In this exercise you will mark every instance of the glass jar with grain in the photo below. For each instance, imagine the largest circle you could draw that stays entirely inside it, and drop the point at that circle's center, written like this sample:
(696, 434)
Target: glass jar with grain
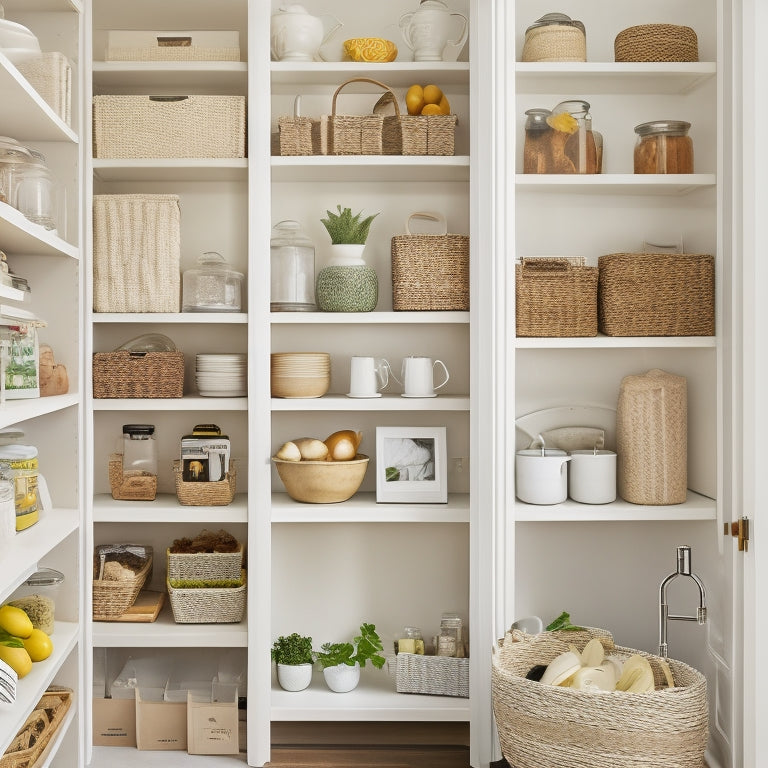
(663, 146)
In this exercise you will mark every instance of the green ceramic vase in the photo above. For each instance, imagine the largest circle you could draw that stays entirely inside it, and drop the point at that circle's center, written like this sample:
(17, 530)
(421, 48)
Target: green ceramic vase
(347, 289)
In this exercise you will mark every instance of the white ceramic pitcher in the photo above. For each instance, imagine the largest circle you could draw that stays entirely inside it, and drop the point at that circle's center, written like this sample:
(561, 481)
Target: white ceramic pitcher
(418, 376)
(296, 35)
(427, 31)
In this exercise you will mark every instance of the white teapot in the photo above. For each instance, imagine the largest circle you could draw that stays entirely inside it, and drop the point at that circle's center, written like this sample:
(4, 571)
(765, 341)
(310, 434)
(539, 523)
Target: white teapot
(296, 35)
(426, 31)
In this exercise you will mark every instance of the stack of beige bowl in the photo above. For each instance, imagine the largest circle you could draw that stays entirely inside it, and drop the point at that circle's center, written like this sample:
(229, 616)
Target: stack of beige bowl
(300, 374)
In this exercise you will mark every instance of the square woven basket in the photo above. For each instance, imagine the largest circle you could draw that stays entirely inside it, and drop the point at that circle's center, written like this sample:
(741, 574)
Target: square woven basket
(436, 675)
(205, 566)
(126, 374)
(428, 134)
(203, 605)
(217, 493)
(111, 598)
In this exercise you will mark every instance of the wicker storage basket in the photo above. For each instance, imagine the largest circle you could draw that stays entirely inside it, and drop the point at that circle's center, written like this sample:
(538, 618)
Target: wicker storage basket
(145, 45)
(543, 725)
(428, 134)
(651, 438)
(112, 598)
(218, 493)
(136, 253)
(216, 605)
(50, 74)
(138, 374)
(555, 42)
(168, 126)
(438, 675)
(430, 272)
(656, 42)
(555, 297)
(656, 294)
(206, 566)
(135, 487)
(295, 136)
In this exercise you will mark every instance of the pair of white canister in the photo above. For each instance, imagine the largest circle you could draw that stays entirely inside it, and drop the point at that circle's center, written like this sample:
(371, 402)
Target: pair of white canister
(543, 476)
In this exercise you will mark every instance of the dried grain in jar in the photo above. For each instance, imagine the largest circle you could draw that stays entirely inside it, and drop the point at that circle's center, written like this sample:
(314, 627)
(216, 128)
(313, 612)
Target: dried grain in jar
(663, 146)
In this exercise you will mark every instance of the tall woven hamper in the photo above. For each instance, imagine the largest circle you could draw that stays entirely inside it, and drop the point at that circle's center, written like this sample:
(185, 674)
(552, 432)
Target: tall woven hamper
(652, 438)
(136, 253)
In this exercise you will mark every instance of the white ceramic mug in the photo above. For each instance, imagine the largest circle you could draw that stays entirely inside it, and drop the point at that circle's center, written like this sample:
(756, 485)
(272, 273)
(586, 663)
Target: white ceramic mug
(367, 375)
(419, 376)
(541, 477)
(592, 477)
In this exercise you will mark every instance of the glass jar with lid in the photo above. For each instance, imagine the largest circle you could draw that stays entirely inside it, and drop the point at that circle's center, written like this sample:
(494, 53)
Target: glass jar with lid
(292, 269)
(20, 462)
(663, 146)
(13, 158)
(139, 450)
(36, 191)
(555, 37)
(411, 641)
(212, 286)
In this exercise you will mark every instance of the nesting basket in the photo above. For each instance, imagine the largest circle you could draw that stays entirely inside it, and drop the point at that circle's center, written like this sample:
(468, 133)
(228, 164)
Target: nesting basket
(555, 297)
(205, 566)
(217, 493)
(134, 487)
(204, 605)
(656, 42)
(436, 675)
(428, 134)
(657, 294)
(127, 374)
(112, 598)
(542, 724)
(555, 42)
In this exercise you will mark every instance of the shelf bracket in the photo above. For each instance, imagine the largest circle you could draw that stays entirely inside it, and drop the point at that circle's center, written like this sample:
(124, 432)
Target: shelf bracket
(739, 529)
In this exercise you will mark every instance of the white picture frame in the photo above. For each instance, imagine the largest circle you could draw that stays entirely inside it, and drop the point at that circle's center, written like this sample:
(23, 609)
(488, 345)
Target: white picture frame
(411, 465)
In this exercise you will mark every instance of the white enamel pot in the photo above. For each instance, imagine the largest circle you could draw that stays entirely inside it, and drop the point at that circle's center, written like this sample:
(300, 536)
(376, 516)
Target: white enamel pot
(541, 477)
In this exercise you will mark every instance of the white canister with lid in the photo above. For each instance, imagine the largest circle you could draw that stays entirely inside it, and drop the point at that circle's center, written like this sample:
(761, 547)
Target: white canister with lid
(541, 476)
(592, 477)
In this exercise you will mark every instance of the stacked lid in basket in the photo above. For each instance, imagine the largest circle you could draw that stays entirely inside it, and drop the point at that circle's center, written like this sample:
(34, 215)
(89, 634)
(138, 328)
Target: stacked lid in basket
(222, 375)
(300, 374)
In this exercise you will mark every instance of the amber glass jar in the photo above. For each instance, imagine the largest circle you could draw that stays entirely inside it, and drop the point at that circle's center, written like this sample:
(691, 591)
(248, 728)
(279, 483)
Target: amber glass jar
(663, 146)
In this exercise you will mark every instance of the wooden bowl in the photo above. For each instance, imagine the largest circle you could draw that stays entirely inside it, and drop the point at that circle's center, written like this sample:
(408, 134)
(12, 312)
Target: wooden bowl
(299, 386)
(322, 482)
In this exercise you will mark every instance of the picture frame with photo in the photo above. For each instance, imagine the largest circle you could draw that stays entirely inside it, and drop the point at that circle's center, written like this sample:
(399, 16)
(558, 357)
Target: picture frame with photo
(411, 465)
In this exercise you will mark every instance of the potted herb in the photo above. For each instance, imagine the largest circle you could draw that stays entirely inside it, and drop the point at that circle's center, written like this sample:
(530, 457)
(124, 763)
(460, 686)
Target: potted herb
(294, 658)
(341, 662)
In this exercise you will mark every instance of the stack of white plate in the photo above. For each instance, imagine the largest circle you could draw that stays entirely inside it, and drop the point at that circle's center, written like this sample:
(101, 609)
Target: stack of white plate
(300, 374)
(222, 375)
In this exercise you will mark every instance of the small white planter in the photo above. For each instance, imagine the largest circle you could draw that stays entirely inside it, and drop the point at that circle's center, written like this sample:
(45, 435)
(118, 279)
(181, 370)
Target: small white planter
(342, 678)
(294, 677)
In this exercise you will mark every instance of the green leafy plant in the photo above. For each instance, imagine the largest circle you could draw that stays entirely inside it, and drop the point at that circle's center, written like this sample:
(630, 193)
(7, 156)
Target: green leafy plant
(294, 649)
(365, 647)
(346, 229)
(563, 624)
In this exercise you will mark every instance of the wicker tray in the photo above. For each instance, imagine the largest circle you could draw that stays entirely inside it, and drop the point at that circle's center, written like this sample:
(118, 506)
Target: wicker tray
(225, 605)
(205, 566)
(135, 487)
(111, 599)
(213, 494)
(138, 374)
(656, 42)
(437, 675)
(555, 298)
(555, 42)
(656, 294)
(547, 725)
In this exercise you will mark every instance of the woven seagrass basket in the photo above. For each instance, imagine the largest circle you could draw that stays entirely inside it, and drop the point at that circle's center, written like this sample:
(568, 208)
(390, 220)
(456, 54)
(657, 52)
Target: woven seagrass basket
(50, 74)
(428, 134)
(204, 605)
(217, 493)
(205, 566)
(555, 42)
(555, 297)
(656, 294)
(138, 374)
(437, 675)
(656, 42)
(543, 724)
(112, 598)
(134, 487)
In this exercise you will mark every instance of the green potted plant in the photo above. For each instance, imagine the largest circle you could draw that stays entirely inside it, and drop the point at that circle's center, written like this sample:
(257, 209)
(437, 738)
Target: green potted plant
(341, 662)
(294, 658)
(347, 284)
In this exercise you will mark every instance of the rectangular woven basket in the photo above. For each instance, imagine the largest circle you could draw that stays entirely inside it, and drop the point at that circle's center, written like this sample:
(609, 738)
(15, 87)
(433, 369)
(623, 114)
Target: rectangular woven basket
(136, 253)
(436, 675)
(138, 374)
(205, 565)
(128, 127)
(187, 45)
(555, 298)
(203, 605)
(217, 493)
(111, 598)
(656, 294)
(428, 134)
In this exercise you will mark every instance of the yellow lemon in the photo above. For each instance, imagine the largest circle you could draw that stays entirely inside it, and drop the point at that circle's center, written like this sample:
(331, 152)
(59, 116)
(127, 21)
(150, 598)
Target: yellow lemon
(432, 109)
(38, 645)
(432, 94)
(17, 659)
(414, 100)
(445, 106)
(15, 622)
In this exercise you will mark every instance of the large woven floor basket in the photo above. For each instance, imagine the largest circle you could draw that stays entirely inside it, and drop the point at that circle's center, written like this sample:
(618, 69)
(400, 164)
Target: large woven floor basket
(543, 725)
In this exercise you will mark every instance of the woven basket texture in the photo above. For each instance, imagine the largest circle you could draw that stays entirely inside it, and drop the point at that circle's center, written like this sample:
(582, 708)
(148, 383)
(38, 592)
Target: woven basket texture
(428, 134)
(205, 565)
(545, 725)
(50, 74)
(136, 253)
(651, 438)
(218, 493)
(138, 374)
(134, 487)
(555, 43)
(152, 127)
(172, 53)
(112, 598)
(225, 605)
(430, 272)
(656, 42)
(29, 746)
(438, 675)
(295, 136)
(656, 294)
(555, 298)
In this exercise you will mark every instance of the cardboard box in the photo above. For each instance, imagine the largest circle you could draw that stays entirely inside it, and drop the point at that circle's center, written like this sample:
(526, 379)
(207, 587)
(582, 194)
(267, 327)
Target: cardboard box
(160, 724)
(213, 722)
(114, 722)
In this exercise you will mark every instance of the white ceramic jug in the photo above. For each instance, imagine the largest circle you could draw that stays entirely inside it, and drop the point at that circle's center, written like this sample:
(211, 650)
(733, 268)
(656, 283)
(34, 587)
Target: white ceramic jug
(296, 35)
(427, 30)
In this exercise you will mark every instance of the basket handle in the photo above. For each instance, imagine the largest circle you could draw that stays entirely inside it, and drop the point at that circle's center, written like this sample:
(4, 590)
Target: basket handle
(545, 266)
(430, 216)
(363, 80)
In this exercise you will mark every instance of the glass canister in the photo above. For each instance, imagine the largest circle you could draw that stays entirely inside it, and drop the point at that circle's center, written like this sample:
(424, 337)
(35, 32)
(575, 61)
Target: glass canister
(292, 269)
(213, 286)
(13, 157)
(663, 146)
(36, 191)
(7, 505)
(21, 462)
(411, 641)
(38, 597)
(139, 449)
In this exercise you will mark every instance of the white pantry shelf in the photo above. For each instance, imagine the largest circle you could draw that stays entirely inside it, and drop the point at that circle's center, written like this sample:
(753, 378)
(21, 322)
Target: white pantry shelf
(186, 403)
(617, 342)
(384, 403)
(166, 509)
(15, 411)
(181, 318)
(56, 6)
(127, 757)
(615, 183)
(171, 170)
(369, 318)
(224, 78)
(20, 236)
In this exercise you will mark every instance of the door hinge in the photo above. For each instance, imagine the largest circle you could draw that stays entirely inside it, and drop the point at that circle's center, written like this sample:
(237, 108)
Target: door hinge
(740, 530)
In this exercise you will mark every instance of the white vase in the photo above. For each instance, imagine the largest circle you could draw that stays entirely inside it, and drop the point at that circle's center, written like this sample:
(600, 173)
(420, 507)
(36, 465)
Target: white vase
(342, 678)
(346, 255)
(294, 677)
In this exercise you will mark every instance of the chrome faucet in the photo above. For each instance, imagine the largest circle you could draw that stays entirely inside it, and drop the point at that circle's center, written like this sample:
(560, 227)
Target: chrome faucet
(683, 569)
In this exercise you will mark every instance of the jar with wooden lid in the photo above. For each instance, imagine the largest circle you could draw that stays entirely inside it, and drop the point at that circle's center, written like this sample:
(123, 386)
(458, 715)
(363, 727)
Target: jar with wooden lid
(663, 146)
